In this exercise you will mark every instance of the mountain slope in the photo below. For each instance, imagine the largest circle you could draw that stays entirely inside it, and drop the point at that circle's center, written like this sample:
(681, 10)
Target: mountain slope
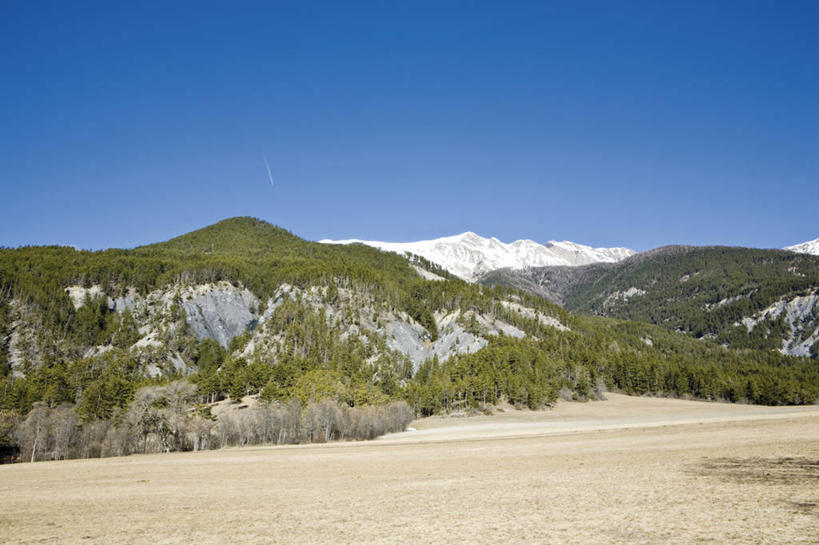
(468, 255)
(742, 297)
(283, 298)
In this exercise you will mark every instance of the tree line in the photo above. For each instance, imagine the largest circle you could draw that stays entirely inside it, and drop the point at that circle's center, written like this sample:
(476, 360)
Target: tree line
(161, 419)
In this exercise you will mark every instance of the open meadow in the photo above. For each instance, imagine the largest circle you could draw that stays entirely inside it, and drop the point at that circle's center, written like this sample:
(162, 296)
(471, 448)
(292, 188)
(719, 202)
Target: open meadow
(625, 470)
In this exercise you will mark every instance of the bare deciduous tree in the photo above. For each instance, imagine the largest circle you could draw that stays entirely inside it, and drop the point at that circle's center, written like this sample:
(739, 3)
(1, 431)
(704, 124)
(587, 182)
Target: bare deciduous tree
(160, 419)
(33, 433)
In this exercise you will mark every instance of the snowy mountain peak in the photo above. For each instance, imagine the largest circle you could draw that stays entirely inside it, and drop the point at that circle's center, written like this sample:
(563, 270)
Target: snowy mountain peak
(809, 247)
(470, 255)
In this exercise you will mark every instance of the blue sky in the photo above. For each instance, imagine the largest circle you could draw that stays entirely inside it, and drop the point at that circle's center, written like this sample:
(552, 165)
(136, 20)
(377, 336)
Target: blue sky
(632, 124)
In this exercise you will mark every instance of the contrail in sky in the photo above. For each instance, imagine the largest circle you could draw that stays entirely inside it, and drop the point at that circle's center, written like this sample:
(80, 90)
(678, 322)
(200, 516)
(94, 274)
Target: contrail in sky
(269, 175)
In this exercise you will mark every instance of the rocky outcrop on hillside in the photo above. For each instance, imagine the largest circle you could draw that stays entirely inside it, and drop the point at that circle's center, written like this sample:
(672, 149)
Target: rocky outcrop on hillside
(801, 316)
(222, 311)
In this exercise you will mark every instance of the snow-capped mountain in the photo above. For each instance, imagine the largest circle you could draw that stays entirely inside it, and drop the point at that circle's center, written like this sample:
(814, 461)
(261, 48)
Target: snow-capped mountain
(809, 247)
(469, 255)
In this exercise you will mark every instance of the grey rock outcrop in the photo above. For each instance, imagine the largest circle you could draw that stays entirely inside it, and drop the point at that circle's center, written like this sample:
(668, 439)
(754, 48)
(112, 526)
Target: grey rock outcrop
(801, 317)
(220, 312)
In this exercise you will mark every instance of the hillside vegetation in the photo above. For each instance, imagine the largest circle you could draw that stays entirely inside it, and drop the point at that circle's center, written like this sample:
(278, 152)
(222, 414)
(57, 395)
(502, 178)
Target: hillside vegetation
(120, 351)
(740, 297)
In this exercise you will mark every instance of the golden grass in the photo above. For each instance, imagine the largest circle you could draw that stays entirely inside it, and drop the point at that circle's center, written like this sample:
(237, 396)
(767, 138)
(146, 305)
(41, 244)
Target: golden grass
(627, 470)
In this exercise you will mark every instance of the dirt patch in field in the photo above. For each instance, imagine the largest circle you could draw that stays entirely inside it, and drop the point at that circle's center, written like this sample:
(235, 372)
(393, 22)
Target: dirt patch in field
(795, 474)
(761, 470)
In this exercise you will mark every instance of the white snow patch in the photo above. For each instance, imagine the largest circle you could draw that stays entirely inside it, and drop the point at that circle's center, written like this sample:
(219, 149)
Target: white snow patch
(809, 247)
(468, 255)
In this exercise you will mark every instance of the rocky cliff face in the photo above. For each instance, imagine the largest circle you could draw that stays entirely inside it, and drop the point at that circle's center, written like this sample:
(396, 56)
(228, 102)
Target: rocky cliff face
(222, 311)
(359, 316)
(801, 318)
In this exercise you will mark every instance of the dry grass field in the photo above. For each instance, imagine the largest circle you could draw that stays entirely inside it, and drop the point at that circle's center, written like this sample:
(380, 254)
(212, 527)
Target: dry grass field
(627, 470)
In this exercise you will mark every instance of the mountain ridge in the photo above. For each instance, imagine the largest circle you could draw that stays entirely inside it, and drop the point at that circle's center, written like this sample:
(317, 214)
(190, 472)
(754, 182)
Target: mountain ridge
(469, 255)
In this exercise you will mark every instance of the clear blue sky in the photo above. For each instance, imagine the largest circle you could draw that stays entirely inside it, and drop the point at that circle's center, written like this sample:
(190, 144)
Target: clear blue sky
(607, 123)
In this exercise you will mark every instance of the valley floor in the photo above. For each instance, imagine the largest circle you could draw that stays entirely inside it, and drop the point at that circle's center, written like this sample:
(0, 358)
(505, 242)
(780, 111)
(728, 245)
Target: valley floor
(626, 470)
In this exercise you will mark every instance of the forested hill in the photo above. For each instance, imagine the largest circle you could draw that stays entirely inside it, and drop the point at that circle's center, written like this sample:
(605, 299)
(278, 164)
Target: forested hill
(742, 297)
(241, 236)
(131, 350)
(242, 250)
